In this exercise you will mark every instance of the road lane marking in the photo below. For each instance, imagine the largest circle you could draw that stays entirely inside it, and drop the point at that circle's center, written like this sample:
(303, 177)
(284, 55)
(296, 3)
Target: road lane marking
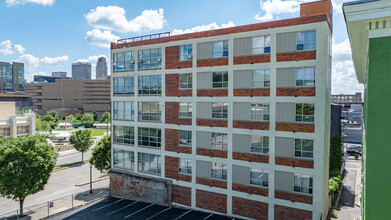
(107, 205)
(121, 208)
(139, 211)
(182, 215)
(158, 213)
(207, 216)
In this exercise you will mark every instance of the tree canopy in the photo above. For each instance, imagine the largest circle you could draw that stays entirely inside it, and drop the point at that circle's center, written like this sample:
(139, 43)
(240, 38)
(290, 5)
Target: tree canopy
(81, 141)
(101, 154)
(25, 166)
(52, 118)
(87, 119)
(105, 117)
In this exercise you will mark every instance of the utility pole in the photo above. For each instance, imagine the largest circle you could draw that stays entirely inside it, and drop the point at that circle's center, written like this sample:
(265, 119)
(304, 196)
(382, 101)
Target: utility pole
(90, 178)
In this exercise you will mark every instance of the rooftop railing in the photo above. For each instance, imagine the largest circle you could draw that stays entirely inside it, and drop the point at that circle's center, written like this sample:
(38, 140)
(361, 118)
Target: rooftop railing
(145, 37)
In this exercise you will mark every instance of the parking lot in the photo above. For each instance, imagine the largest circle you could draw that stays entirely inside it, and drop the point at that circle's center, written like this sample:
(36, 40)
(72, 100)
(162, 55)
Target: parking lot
(113, 208)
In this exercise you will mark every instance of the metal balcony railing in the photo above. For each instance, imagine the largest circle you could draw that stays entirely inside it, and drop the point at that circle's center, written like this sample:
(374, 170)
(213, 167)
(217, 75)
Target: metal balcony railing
(144, 37)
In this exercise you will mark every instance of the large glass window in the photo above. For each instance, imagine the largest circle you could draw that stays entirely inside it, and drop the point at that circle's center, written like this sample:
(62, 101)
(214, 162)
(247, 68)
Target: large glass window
(123, 110)
(259, 177)
(303, 184)
(260, 78)
(149, 59)
(305, 112)
(123, 61)
(261, 45)
(219, 141)
(185, 52)
(220, 80)
(149, 163)
(123, 135)
(186, 81)
(184, 166)
(5, 132)
(219, 171)
(185, 138)
(123, 159)
(185, 109)
(149, 137)
(150, 85)
(220, 49)
(219, 110)
(149, 111)
(260, 111)
(260, 144)
(305, 76)
(23, 129)
(306, 40)
(123, 85)
(304, 148)
(20, 78)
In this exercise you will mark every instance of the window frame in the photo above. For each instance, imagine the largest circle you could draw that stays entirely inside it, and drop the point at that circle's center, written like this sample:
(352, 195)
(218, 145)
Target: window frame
(189, 110)
(189, 81)
(217, 144)
(260, 111)
(217, 52)
(303, 73)
(187, 169)
(219, 171)
(260, 149)
(300, 151)
(257, 177)
(301, 116)
(220, 80)
(116, 159)
(150, 88)
(150, 139)
(151, 114)
(117, 87)
(187, 139)
(299, 187)
(188, 48)
(223, 112)
(118, 130)
(117, 111)
(149, 60)
(130, 63)
(142, 167)
(301, 41)
(266, 45)
(265, 78)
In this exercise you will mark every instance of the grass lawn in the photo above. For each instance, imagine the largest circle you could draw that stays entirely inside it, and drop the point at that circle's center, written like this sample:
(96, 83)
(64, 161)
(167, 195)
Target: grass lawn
(97, 132)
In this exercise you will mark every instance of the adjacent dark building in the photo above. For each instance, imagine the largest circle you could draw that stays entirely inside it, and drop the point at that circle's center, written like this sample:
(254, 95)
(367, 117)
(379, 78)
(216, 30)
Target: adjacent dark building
(81, 70)
(101, 68)
(11, 77)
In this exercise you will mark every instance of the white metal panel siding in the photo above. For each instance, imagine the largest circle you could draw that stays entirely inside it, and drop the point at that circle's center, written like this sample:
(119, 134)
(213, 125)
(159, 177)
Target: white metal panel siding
(242, 46)
(204, 139)
(241, 175)
(204, 110)
(242, 111)
(204, 50)
(285, 147)
(285, 112)
(241, 143)
(286, 77)
(286, 42)
(284, 181)
(204, 80)
(204, 169)
(242, 79)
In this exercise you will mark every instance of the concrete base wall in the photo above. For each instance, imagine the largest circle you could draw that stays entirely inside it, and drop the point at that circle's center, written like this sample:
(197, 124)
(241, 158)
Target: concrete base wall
(139, 188)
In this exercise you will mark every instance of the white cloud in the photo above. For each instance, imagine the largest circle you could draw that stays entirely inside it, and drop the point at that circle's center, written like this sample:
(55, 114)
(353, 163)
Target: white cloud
(31, 62)
(54, 61)
(113, 18)
(6, 47)
(342, 51)
(337, 5)
(276, 7)
(101, 39)
(19, 49)
(198, 28)
(22, 2)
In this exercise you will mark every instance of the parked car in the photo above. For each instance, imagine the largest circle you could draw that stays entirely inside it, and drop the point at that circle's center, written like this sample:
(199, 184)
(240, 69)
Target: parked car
(353, 152)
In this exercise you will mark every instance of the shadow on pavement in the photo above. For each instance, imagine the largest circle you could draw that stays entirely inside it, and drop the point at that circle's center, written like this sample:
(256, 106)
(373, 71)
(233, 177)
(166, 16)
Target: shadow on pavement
(86, 196)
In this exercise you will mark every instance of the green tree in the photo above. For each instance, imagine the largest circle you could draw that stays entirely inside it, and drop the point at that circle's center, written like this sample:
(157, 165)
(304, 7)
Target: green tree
(81, 141)
(105, 117)
(95, 116)
(101, 154)
(73, 120)
(25, 166)
(87, 119)
(336, 154)
(52, 118)
(78, 116)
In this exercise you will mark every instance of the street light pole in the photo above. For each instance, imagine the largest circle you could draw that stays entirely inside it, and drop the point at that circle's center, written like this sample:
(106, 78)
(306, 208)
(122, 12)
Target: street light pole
(90, 178)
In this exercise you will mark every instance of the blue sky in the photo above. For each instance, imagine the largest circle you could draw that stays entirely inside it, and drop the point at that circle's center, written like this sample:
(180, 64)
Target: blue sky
(49, 35)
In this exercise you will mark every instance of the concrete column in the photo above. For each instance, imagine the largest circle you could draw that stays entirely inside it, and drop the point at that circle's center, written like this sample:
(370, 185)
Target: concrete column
(31, 118)
(14, 126)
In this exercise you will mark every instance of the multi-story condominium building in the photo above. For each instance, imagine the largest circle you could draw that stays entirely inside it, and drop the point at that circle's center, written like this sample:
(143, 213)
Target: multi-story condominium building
(233, 121)
(81, 70)
(347, 99)
(60, 74)
(369, 28)
(101, 68)
(11, 77)
(13, 125)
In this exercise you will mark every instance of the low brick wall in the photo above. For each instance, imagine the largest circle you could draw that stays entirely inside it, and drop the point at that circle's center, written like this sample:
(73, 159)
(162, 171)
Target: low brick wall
(250, 208)
(252, 92)
(285, 213)
(296, 56)
(250, 189)
(250, 157)
(211, 201)
(295, 127)
(256, 125)
(211, 182)
(212, 123)
(264, 58)
(293, 162)
(213, 62)
(212, 92)
(181, 195)
(296, 91)
(212, 152)
(294, 197)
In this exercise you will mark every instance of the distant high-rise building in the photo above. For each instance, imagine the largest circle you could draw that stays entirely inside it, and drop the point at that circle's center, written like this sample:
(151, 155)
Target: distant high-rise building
(101, 68)
(59, 74)
(12, 77)
(81, 70)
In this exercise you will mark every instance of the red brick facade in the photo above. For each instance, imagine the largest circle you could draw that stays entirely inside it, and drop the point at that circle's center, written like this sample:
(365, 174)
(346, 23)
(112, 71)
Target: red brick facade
(256, 125)
(285, 213)
(252, 92)
(250, 208)
(211, 201)
(213, 62)
(181, 195)
(296, 56)
(293, 162)
(260, 158)
(317, 8)
(294, 197)
(296, 91)
(295, 127)
(212, 152)
(250, 189)
(265, 58)
(172, 170)
(172, 59)
(172, 86)
(212, 123)
(172, 142)
(172, 114)
(212, 92)
(211, 182)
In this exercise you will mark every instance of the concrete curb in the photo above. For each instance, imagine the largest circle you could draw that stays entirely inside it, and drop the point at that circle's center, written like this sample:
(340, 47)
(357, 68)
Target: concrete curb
(83, 184)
